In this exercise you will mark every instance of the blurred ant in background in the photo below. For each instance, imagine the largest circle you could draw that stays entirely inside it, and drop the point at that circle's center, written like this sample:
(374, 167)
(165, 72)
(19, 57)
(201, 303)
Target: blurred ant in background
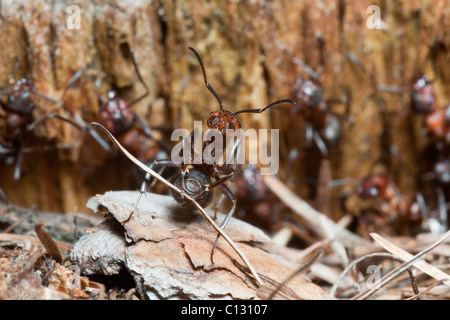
(423, 101)
(130, 130)
(323, 127)
(19, 121)
(256, 203)
(386, 209)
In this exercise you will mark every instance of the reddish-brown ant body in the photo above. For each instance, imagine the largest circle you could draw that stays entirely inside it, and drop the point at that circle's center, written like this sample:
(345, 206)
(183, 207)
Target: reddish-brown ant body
(19, 120)
(256, 203)
(198, 180)
(391, 209)
(423, 101)
(323, 127)
(131, 131)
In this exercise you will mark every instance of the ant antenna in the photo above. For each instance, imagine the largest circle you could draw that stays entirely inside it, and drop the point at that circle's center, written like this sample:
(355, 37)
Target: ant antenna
(264, 108)
(210, 88)
(131, 51)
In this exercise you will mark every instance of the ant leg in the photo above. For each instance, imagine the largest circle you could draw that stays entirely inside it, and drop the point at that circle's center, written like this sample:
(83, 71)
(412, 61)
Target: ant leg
(58, 103)
(146, 181)
(218, 205)
(93, 133)
(17, 169)
(141, 123)
(320, 143)
(309, 134)
(443, 218)
(82, 126)
(141, 80)
(227, 192)
(3, 195)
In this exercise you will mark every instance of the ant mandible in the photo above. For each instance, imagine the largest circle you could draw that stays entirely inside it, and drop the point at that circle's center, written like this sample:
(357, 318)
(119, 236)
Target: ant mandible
(199, 180)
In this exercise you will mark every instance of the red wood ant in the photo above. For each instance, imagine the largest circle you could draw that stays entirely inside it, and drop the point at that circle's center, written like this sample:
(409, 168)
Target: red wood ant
(393, 211)
(18, 119)
(323, 127)
(255, 201)
(423, 101)
(130, 130)
(199, 180)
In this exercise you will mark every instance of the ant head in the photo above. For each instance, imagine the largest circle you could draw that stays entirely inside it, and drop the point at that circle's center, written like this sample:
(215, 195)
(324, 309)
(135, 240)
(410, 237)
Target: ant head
(222, 120)
(420, 81)
(20, 100)
(373, 186)
(423, 97)
(307, 93)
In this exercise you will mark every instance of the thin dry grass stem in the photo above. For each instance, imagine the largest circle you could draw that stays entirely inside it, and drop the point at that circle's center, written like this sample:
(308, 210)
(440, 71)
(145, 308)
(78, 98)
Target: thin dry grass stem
(435, 284)
(314, 218)
(305, 255)
(405, 256)
(186, 196)
(370, 255)
(293, 274)
(394, 273)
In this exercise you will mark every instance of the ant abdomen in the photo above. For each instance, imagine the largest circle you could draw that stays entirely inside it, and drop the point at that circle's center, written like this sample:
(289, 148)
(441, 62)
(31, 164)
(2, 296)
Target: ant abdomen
(195, 181)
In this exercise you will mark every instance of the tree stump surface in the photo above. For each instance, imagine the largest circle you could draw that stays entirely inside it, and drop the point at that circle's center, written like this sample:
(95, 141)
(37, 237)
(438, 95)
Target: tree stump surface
(248, 48)
(168, 247)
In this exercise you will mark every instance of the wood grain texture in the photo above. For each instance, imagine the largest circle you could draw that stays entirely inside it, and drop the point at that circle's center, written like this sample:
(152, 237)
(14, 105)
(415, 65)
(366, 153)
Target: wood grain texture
(248, 49)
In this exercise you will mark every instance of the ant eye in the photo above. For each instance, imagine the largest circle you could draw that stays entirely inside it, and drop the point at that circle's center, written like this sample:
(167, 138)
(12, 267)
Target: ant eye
(111, 94)
(373, 191)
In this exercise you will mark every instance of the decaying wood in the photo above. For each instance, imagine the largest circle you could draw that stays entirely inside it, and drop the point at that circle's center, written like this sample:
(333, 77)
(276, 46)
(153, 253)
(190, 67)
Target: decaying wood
(248, 48)
(169, 248)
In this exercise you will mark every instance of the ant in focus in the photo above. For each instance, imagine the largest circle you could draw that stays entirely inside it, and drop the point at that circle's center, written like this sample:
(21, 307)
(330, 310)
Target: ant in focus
(198, 180)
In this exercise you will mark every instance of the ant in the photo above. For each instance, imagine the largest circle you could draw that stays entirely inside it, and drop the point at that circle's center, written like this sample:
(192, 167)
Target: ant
(423, 101)
(255, 201)
(130, 130)
(323, 127)
(18, 119)
(198, 180)
(394, 211)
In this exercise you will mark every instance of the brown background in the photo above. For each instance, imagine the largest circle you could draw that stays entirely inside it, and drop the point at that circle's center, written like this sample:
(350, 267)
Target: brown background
(248, 49)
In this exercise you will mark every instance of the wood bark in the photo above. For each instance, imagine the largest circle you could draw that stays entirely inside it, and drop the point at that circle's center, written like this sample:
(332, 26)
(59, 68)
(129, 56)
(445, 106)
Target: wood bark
(248, 48)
